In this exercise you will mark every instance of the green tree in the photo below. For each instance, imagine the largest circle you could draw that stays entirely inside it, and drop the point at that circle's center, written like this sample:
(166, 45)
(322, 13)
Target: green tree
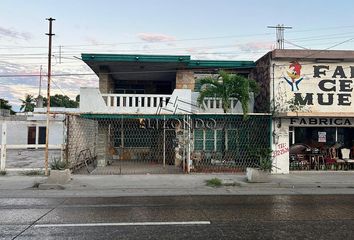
(59, 100)
(28, 103)
(226, 86)
(4, 104)
(77, 98)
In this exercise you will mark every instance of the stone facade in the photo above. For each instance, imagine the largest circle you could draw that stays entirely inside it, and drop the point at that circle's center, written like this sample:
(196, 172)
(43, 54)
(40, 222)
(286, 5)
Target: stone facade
(262, 74)
(185, 79)
(102, 145)
(106, 83)
(81, 136)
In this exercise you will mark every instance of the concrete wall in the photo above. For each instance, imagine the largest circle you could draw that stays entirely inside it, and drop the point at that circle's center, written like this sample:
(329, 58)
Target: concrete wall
(280, 145)
(81, 135)
(17, 131)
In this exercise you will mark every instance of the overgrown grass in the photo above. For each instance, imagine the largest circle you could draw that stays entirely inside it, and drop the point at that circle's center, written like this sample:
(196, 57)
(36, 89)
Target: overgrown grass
(214, 182)
(33, 173)
(2, 173)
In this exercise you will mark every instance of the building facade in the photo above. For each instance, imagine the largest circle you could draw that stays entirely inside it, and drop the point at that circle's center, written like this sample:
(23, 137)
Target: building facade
(310, 95)
(147, 112)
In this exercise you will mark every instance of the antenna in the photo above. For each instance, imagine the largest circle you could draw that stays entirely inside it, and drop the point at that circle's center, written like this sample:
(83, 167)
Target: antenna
(280, 34)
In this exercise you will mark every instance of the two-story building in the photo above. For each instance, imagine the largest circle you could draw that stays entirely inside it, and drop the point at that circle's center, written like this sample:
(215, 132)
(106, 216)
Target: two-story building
(147, 114)
(310, 94)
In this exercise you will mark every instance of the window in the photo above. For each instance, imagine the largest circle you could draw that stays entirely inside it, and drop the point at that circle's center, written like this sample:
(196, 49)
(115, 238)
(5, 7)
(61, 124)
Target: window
(41, 135)
(31, 136)
(36, 135)
(208, 139)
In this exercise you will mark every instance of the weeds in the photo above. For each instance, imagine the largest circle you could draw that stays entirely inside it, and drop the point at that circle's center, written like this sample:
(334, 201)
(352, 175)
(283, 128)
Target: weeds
(214, 182)
(2, 173)
(33, 173)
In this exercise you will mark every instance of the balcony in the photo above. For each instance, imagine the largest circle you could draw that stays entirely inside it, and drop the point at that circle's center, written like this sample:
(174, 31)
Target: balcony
(181, 101)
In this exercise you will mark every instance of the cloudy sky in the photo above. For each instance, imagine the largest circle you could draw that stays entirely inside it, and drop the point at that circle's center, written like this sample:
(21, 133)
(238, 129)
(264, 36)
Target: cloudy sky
(204, 29)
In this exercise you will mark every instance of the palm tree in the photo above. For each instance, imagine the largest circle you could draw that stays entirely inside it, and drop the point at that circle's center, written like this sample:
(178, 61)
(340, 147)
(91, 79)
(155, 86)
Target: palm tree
(28, 104)
(226, 86)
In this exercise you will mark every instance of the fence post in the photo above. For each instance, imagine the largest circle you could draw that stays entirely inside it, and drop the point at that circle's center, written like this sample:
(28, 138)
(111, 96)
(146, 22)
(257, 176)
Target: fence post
(3, 147)
(189, 145)
(164, 141)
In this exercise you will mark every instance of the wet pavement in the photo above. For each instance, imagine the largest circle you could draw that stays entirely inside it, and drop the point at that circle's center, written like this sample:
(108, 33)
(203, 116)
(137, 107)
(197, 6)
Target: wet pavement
(182, 217)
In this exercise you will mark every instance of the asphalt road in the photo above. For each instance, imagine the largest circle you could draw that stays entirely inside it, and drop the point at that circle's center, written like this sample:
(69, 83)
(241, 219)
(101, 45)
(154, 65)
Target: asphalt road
(183, 217)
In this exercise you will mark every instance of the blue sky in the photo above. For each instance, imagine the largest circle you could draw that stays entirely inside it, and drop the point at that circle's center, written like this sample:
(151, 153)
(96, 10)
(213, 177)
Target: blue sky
(223, 29)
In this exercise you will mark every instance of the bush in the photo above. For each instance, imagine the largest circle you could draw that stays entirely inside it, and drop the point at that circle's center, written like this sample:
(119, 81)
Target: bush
(265, 159)
(58, 164)
(214, 182)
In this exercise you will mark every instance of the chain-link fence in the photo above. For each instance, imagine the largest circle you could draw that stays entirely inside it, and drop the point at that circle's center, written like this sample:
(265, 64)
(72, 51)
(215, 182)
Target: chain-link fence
(228, 143)
(121, 144)
(80, 141)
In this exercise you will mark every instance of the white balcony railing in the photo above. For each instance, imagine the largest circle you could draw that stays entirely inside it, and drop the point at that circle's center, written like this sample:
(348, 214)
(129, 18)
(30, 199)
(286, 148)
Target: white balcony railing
(136, 100)
(181, 101)
(216, 104)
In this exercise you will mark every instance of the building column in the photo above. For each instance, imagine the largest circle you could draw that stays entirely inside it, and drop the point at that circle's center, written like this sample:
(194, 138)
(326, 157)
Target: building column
(280, 145)
(37, 134)
(102, 145)
(106, 84)
(3, 146)
(185, 79)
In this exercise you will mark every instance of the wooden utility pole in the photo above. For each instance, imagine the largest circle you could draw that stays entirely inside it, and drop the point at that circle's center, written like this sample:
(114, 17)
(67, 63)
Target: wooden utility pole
(50, 34)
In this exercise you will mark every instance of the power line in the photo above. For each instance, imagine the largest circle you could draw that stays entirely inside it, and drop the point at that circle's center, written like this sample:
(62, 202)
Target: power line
(280, 34)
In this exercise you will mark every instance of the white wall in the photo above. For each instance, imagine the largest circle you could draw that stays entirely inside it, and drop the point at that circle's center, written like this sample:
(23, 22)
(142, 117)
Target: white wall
(17, 131)
(336, 82)
(182, 101)
(280, 145)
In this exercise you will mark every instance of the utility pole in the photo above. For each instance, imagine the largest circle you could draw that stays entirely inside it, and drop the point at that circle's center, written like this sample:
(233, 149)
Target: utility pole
(280, 34)
(50, 34)
(59, 54)
(40, 80)
(39, 103)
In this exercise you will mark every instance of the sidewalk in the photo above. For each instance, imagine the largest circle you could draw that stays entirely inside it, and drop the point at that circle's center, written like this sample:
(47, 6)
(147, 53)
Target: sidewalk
(179, 184)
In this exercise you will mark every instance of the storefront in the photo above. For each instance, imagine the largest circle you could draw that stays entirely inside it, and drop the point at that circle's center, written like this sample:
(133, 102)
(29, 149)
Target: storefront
(310, 94)
(323, 139)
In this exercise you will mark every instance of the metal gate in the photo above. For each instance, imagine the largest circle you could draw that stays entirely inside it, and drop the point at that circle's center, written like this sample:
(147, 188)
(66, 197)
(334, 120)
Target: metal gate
(140, 145)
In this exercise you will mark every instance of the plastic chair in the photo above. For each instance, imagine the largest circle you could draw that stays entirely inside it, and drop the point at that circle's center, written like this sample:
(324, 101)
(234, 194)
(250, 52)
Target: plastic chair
(345, 155)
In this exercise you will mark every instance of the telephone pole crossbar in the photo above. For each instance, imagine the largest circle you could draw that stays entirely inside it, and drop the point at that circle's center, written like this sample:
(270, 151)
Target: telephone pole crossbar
(280, 34)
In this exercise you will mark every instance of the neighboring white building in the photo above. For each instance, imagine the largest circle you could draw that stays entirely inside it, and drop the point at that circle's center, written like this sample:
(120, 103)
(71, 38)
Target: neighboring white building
(23, 137)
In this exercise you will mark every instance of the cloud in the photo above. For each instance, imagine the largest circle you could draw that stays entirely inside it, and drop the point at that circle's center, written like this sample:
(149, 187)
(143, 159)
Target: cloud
(92, 40)
(155, 37)
(10, 33)
(255, 46)
(15, 88)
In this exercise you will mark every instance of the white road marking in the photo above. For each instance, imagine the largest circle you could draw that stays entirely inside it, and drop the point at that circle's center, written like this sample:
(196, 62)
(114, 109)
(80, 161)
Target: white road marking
(122, 224)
